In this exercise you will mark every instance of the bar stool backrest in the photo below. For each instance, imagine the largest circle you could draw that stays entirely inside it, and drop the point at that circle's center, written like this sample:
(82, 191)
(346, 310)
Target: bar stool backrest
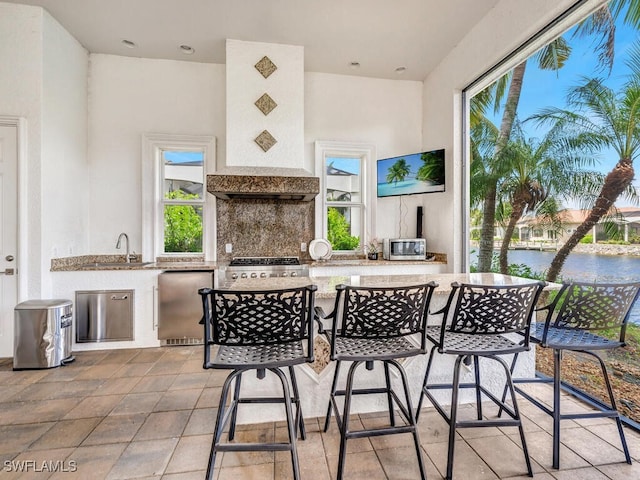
(594, 306)
(491, 309)
(382, 312)
(263, 317)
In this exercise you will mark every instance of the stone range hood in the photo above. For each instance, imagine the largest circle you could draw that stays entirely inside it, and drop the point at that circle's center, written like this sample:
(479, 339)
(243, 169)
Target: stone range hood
(263, 183)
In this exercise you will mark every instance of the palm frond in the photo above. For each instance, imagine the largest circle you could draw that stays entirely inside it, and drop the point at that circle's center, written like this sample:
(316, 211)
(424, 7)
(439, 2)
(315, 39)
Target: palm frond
(554, 55)
(601, 25)
(632, 13)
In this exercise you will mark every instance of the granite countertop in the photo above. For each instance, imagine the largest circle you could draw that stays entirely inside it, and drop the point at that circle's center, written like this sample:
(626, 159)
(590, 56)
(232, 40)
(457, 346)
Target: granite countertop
(117, 262)
(327, 285)
(342, 260)
(338, 262)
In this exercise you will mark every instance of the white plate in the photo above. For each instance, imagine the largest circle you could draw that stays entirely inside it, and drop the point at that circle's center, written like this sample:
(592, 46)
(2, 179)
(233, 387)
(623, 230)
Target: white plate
(320, 249)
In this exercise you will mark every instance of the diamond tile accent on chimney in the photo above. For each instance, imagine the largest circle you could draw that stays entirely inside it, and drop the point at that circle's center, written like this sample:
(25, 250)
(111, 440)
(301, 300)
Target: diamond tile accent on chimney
(265, 140)
(266, 104)
(265, 66)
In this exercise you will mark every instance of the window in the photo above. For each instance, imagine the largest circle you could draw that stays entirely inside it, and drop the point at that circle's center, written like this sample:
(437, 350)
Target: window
(344, 218)
(183, 200)
(178, 214)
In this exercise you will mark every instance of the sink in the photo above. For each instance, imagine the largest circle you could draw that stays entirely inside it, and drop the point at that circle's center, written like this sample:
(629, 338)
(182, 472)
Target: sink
(116, 265)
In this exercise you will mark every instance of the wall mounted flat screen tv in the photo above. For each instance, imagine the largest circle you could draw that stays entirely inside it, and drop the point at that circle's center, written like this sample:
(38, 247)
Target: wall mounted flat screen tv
(411, 174)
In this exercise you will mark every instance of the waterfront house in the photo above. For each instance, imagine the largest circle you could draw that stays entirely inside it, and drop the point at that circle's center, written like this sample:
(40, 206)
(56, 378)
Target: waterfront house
(539, 232)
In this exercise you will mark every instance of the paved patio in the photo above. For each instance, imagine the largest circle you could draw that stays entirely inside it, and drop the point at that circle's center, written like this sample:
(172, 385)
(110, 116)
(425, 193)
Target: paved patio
(149, 413)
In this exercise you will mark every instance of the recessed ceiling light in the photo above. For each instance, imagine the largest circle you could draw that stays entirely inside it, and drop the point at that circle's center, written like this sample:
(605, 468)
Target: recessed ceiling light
(400, 70)
(354, 65)
(187, 49)
(129, 43)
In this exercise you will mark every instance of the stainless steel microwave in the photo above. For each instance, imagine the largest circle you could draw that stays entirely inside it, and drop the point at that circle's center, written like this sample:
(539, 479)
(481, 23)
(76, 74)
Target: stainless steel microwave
(404, 249)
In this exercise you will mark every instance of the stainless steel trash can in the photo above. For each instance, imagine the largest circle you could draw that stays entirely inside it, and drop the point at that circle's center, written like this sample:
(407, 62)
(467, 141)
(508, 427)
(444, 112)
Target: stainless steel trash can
(42, 334)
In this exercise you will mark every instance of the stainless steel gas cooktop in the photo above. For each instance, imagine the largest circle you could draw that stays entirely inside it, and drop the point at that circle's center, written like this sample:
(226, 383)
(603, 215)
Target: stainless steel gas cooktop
(262, 267)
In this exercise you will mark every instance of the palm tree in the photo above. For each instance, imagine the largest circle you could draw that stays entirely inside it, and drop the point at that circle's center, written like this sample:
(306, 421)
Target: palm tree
(432, 168)
(483, 135)
(540, 170)
(603, 119)
(552, 56)
(398, 171)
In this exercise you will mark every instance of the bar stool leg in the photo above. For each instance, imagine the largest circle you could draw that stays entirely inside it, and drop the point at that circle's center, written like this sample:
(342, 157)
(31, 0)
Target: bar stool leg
(235, 404)
(455, 389)
(219, 427)
(476, 366)
(516, 412)
(290, 422)
(334, 386)
(344, 425)
(506, 387)
(412, 419)
(296, 399)
(424, 383)
(612, 399)
(557, 356)
(387, 378)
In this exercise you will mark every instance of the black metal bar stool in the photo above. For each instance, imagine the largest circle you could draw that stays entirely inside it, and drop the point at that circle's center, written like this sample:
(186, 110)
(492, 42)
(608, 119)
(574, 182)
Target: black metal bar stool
(370, 325)
(576, 316)
(477, 327)
(263, 330)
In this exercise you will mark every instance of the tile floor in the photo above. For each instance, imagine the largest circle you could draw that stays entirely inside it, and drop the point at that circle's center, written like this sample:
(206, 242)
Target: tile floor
(149, 413)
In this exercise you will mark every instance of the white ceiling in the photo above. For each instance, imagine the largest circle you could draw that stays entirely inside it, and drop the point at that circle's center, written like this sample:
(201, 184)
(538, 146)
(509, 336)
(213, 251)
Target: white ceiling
(379, 34)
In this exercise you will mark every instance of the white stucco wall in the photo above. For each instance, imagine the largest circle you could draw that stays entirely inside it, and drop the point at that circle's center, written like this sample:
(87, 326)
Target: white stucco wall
(21, 96)
(65, 193)
(245, 121)
(383, 113)
(129, 97)
(507, 26)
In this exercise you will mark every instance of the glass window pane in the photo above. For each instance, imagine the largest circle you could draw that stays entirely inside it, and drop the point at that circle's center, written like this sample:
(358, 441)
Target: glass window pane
(182, 228)
(343, 179)
(343, 227)
(183, 174)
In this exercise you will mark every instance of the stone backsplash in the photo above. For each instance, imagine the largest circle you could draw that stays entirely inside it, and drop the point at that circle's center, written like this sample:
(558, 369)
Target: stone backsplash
(264, 228)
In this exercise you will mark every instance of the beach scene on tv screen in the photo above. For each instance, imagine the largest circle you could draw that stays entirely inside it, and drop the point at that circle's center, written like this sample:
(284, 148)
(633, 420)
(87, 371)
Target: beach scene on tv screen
(410, 174)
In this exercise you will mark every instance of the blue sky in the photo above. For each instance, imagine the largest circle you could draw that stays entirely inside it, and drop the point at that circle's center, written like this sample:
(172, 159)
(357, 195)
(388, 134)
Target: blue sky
(177, 157)
(350, 165)
(543, 88)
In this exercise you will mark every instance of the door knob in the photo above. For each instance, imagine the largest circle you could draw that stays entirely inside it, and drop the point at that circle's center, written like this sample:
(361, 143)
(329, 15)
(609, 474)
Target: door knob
(8, 271)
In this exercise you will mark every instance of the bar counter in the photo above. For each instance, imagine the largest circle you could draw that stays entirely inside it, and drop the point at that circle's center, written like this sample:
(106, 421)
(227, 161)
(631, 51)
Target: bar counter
(326, 285)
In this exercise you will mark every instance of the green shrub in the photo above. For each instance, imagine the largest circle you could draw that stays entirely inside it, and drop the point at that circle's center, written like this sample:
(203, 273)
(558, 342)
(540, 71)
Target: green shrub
(587, 239)
(338, 231)
(182, 225)
(614, 242)
(515, 269)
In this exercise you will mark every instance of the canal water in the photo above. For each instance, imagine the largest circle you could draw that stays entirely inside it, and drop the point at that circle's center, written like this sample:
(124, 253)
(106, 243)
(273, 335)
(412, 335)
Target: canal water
(584, 267)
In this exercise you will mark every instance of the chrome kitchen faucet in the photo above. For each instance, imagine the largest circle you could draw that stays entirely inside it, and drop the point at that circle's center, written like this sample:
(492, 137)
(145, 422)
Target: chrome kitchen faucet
(118, 245)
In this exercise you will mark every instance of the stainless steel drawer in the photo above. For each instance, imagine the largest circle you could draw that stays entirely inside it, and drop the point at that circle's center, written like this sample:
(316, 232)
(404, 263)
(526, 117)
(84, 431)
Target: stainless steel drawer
(104, 315)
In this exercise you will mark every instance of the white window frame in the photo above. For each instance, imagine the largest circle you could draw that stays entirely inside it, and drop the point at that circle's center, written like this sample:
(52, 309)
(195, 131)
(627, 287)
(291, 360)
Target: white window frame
(367, 154)
(153, 201)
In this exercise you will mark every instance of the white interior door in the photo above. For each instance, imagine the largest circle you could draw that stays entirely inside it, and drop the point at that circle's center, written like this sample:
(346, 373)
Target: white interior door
(8, 235)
